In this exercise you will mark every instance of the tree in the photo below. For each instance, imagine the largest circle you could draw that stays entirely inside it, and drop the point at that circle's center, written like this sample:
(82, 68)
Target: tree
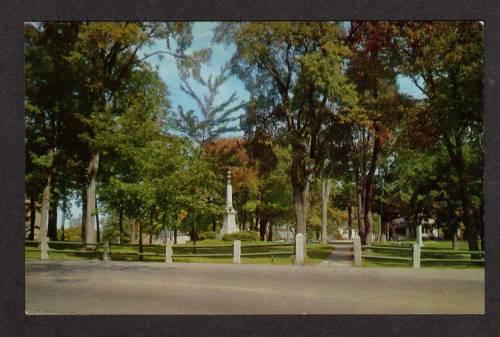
(445, 61)
(275, 197)
(371, 68)
(48, 109)
(214, 118)
(294, 73)
(105, 56)
(143, 105)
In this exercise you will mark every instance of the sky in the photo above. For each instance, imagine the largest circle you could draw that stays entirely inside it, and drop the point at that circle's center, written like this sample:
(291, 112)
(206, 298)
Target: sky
(221, 54)
(202, 36)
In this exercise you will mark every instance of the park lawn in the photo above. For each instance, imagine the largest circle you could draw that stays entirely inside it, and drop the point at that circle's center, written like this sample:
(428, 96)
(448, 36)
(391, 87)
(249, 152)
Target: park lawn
(316, 253)
(61, 255)
(429, 246)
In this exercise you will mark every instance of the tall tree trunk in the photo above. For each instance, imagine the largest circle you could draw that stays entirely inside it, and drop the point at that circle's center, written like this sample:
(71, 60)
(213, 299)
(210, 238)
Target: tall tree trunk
(214, 224)
(84, 214)
(52, 225)
(325, 195)
(481, 218)
(269, 231)
(360, 200)
(63, 218)
(360, 179)
(458, 162)
(301, 174)
(151, 227)
(377, 145)
(384, 222)
(349, 221)
(194, 236)
(98, 228)
(385, 231)
(45, 209)
(360, 216)
(255, 224)
(141, 248)
(262, 228)
(90, 235)
(301, 207)
(243, 220)
(175, 234)
(32, 217)
(454, 240)
(132, 232)
(120, 222)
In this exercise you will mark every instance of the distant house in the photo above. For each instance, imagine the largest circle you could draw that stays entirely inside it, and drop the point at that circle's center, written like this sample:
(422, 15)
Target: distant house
(400, 229)
(159, 239)
(283, 232)
(344, 233)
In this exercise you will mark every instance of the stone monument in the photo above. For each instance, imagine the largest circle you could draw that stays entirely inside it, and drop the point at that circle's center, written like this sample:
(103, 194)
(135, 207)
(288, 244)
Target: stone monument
(229, 214)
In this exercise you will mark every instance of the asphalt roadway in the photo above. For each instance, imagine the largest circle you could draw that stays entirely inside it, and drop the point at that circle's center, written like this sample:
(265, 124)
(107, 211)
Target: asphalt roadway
(95, 287)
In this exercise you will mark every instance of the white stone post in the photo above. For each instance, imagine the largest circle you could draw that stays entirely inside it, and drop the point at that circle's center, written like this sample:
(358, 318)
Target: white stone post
(237, 251)
(416, 255)
(44, 247)
(357, 252)
(299, 249)
(168, 251)
(106, 252)
(419, 235)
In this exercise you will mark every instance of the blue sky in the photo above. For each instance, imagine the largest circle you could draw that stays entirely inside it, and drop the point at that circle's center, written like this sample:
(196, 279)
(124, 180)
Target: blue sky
(202, 36)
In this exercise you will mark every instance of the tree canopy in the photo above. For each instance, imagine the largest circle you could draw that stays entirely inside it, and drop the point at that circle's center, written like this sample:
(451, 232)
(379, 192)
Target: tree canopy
(327, 140)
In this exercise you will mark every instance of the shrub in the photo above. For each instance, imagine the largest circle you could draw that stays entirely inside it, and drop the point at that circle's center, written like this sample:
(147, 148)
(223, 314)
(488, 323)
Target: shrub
(208, 236)
(242, 236)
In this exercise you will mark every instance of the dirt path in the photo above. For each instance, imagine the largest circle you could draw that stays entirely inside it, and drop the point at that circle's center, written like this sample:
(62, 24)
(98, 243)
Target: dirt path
(342, 256)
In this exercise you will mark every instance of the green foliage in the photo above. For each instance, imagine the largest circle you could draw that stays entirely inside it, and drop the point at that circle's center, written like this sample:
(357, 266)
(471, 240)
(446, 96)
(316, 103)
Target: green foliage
(322, 95)
(215, 119)
(242, 236)
(208, 236)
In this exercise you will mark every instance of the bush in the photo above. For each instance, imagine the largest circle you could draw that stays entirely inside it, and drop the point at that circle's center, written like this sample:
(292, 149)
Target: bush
(242, 236)
(208, 236)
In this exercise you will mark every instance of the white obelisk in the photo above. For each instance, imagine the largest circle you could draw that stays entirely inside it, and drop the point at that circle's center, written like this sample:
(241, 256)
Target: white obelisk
(229, 214)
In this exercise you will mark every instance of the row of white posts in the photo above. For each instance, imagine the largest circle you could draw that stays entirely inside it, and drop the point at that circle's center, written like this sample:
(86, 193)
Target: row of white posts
(358, 262)
(299, 250)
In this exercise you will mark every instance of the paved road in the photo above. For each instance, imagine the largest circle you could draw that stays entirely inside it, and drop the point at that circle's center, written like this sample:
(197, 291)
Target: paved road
(83, 287)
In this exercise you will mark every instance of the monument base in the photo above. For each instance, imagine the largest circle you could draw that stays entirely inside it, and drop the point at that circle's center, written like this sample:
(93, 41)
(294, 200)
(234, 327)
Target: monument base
(229, 225)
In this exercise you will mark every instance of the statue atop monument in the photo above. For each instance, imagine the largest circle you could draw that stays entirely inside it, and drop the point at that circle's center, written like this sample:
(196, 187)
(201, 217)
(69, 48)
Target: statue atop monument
(229, 213)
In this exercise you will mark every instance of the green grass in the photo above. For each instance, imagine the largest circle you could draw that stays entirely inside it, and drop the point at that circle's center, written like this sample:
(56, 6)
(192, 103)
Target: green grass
(316, 253)
(431, 249)
(431, 244)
